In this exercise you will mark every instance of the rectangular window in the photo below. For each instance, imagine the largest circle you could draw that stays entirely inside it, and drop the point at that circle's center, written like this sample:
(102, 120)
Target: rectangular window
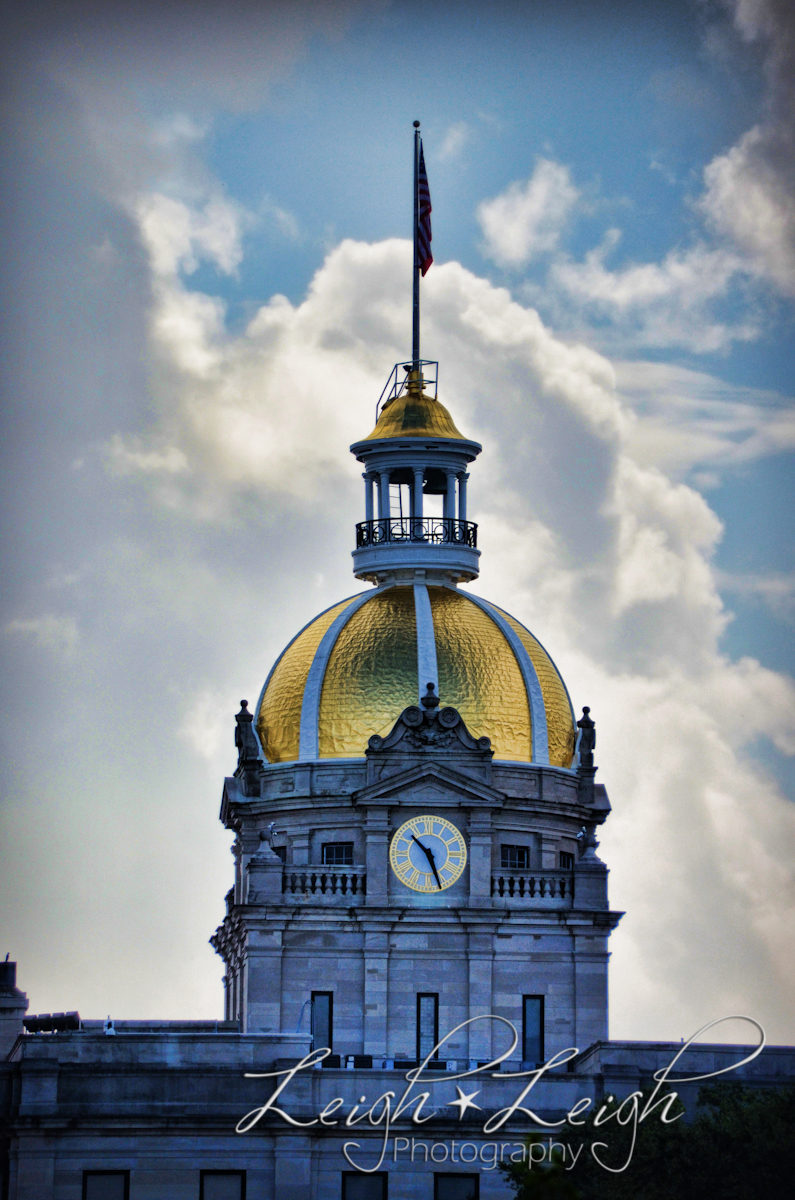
(533, 1029)
(280, 852)
(456, 1187)
(222, 1185)
(337, 854)
(356, 1186)
(566, 861)
(515, 858)
(322, 1020)
(106, 1185)
(427, 1023)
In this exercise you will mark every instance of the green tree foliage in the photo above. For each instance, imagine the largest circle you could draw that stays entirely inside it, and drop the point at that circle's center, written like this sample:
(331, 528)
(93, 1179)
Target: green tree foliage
(739, 1146)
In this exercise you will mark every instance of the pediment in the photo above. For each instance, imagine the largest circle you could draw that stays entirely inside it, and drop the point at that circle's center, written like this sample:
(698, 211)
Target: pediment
(429, 783)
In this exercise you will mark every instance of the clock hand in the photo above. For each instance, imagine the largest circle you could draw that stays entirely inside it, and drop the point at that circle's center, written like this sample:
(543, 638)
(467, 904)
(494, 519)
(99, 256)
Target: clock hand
(429, 855)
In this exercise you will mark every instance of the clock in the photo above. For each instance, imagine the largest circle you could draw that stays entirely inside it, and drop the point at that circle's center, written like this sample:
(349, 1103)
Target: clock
(428, 854)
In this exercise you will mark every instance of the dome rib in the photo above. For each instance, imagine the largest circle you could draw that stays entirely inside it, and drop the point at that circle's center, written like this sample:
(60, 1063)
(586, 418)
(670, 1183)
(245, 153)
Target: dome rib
(538, 710)
(427, 665)
(309, 743)
(279, 705)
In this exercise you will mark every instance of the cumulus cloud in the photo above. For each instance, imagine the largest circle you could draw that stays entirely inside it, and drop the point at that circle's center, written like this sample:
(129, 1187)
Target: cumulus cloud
(611, 564)
(58, 634)
(747, 245)
(526, 220)
(750, 191)
(178, 237)
(750, 198)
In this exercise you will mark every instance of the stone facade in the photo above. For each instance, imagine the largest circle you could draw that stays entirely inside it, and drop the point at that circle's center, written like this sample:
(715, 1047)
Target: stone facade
(296, 925)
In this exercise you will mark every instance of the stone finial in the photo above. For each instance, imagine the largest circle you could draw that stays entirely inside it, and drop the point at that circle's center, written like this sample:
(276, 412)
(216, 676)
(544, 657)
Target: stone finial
(245, 739)
(587, 737)
(430, 699)
(248, 760)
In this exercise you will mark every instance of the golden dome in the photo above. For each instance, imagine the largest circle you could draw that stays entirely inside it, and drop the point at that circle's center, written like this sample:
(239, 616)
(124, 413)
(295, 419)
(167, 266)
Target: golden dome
(413, 414)
(351, 671)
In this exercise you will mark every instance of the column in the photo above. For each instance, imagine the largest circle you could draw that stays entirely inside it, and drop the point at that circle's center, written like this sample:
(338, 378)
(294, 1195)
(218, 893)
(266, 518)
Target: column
(368, 496)
(462, 497)
(449, 496)
(383, 495)
(419, 474)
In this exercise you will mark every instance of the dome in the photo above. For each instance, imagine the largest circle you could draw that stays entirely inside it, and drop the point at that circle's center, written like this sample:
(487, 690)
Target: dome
(352, 670)
(413, 414)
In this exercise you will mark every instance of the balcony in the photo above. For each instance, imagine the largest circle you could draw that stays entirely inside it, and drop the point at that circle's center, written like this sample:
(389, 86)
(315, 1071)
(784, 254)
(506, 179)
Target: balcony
(554, 890)
(343, 882)
(429, 531)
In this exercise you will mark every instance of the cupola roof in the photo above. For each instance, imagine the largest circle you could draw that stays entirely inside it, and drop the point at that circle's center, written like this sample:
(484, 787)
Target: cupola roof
(414, 414)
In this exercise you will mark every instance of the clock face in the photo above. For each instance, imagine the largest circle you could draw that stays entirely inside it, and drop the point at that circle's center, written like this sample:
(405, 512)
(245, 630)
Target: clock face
(428, 854)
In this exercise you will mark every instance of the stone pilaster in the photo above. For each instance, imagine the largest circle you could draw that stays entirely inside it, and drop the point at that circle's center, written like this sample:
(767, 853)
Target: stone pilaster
(480, 955)
(376, 991)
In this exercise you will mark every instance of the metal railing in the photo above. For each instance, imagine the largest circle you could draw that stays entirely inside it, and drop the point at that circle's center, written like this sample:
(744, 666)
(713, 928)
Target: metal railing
(533, 887)
(435, 531)
(324, 881)
(396, 385)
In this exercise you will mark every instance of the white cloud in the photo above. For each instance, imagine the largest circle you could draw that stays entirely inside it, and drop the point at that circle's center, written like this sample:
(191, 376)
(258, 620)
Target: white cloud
(750, 198)
(658, 304)
(178, 237)
(124, 459)
(526, 220)
(775, 590)
(749, 194)
(58, 634)
(748, 207)
(611, 567)
(690, 419)
(454, 140)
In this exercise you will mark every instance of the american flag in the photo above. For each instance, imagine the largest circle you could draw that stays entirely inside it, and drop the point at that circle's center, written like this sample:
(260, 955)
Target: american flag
(424, 235)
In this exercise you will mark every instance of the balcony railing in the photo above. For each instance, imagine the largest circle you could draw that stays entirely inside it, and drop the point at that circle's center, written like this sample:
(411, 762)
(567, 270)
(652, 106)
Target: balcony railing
(429, 530)
(533, 887)
(324, 881)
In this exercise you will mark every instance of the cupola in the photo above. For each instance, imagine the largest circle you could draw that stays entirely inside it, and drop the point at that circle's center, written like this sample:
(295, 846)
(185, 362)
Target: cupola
(415, 451)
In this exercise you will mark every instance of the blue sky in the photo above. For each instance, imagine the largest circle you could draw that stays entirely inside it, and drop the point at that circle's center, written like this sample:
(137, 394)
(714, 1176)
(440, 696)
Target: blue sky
(207, 211)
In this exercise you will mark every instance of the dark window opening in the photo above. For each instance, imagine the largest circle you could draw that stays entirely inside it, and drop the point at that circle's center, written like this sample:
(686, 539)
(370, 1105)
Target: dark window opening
(280, 852)
(106, 1185)
(222, 1185)
(337, 854)
(515, 858)
(356, 1186)
(427, 1023)
(456, 1187)
(322, 1020)
(566, 861)
(533, 1029)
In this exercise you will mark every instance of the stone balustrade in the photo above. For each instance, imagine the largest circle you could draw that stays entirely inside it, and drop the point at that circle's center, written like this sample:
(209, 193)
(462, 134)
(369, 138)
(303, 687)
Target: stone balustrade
(341, 881)
(533, 887)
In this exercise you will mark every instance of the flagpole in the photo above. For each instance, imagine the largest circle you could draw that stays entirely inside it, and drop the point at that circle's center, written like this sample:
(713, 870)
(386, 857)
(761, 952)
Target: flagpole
(415, 340)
